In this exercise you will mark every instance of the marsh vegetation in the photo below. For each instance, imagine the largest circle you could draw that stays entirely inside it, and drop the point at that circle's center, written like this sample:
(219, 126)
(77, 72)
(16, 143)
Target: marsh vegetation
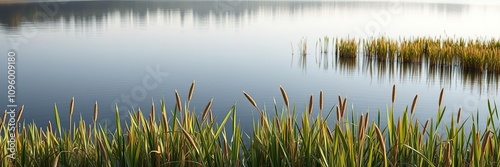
(283, 136)
(472, 55)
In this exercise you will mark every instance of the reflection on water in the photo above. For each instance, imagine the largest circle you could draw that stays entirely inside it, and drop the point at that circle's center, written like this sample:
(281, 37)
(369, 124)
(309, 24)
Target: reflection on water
(442, 73)
(92, 13)
(140, 13)
(229, 46)
(346, 65)
(487, 82)
(303, 62)
(385, 70)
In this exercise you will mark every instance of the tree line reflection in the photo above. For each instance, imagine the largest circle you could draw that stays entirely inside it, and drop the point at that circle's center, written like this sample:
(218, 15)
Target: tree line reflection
(12, 16)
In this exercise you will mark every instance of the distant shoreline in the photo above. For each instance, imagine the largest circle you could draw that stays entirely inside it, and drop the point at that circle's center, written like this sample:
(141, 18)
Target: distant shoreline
(458, 2)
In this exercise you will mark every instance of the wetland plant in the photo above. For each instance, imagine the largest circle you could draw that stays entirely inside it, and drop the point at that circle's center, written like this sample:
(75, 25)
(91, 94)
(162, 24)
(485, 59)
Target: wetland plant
(477, 55)
(283, 137)
(347, 48)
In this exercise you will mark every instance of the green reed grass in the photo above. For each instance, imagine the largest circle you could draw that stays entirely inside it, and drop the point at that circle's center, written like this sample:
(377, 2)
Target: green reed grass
(369, 48)
(347, 48)
(382, 49)
(283, 137)
(471, 55)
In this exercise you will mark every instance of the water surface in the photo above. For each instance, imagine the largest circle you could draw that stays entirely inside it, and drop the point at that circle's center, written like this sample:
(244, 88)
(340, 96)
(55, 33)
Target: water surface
(104, 51)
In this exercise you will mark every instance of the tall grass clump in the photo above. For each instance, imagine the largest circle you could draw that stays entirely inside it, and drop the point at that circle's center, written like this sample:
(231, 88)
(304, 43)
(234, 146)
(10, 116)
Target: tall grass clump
(393, 49)
(382, 48)
(369, 48)
(473, 59)
(411, 50)
(433, 51)
(477, 55)
(287, 136)
(347, 48)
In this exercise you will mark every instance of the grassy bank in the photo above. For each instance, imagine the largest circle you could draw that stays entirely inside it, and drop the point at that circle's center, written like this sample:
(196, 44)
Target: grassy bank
(283, 137)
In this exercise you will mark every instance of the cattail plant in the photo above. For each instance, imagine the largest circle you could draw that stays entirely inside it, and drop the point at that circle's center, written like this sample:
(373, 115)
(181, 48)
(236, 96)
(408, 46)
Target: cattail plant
(274, 140)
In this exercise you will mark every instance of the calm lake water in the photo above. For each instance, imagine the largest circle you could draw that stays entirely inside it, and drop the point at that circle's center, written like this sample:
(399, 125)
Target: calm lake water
(130, 53)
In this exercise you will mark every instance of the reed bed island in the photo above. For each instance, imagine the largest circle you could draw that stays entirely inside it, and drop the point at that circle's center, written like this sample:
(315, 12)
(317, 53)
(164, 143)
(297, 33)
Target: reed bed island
(285, 136)
(471, 55)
